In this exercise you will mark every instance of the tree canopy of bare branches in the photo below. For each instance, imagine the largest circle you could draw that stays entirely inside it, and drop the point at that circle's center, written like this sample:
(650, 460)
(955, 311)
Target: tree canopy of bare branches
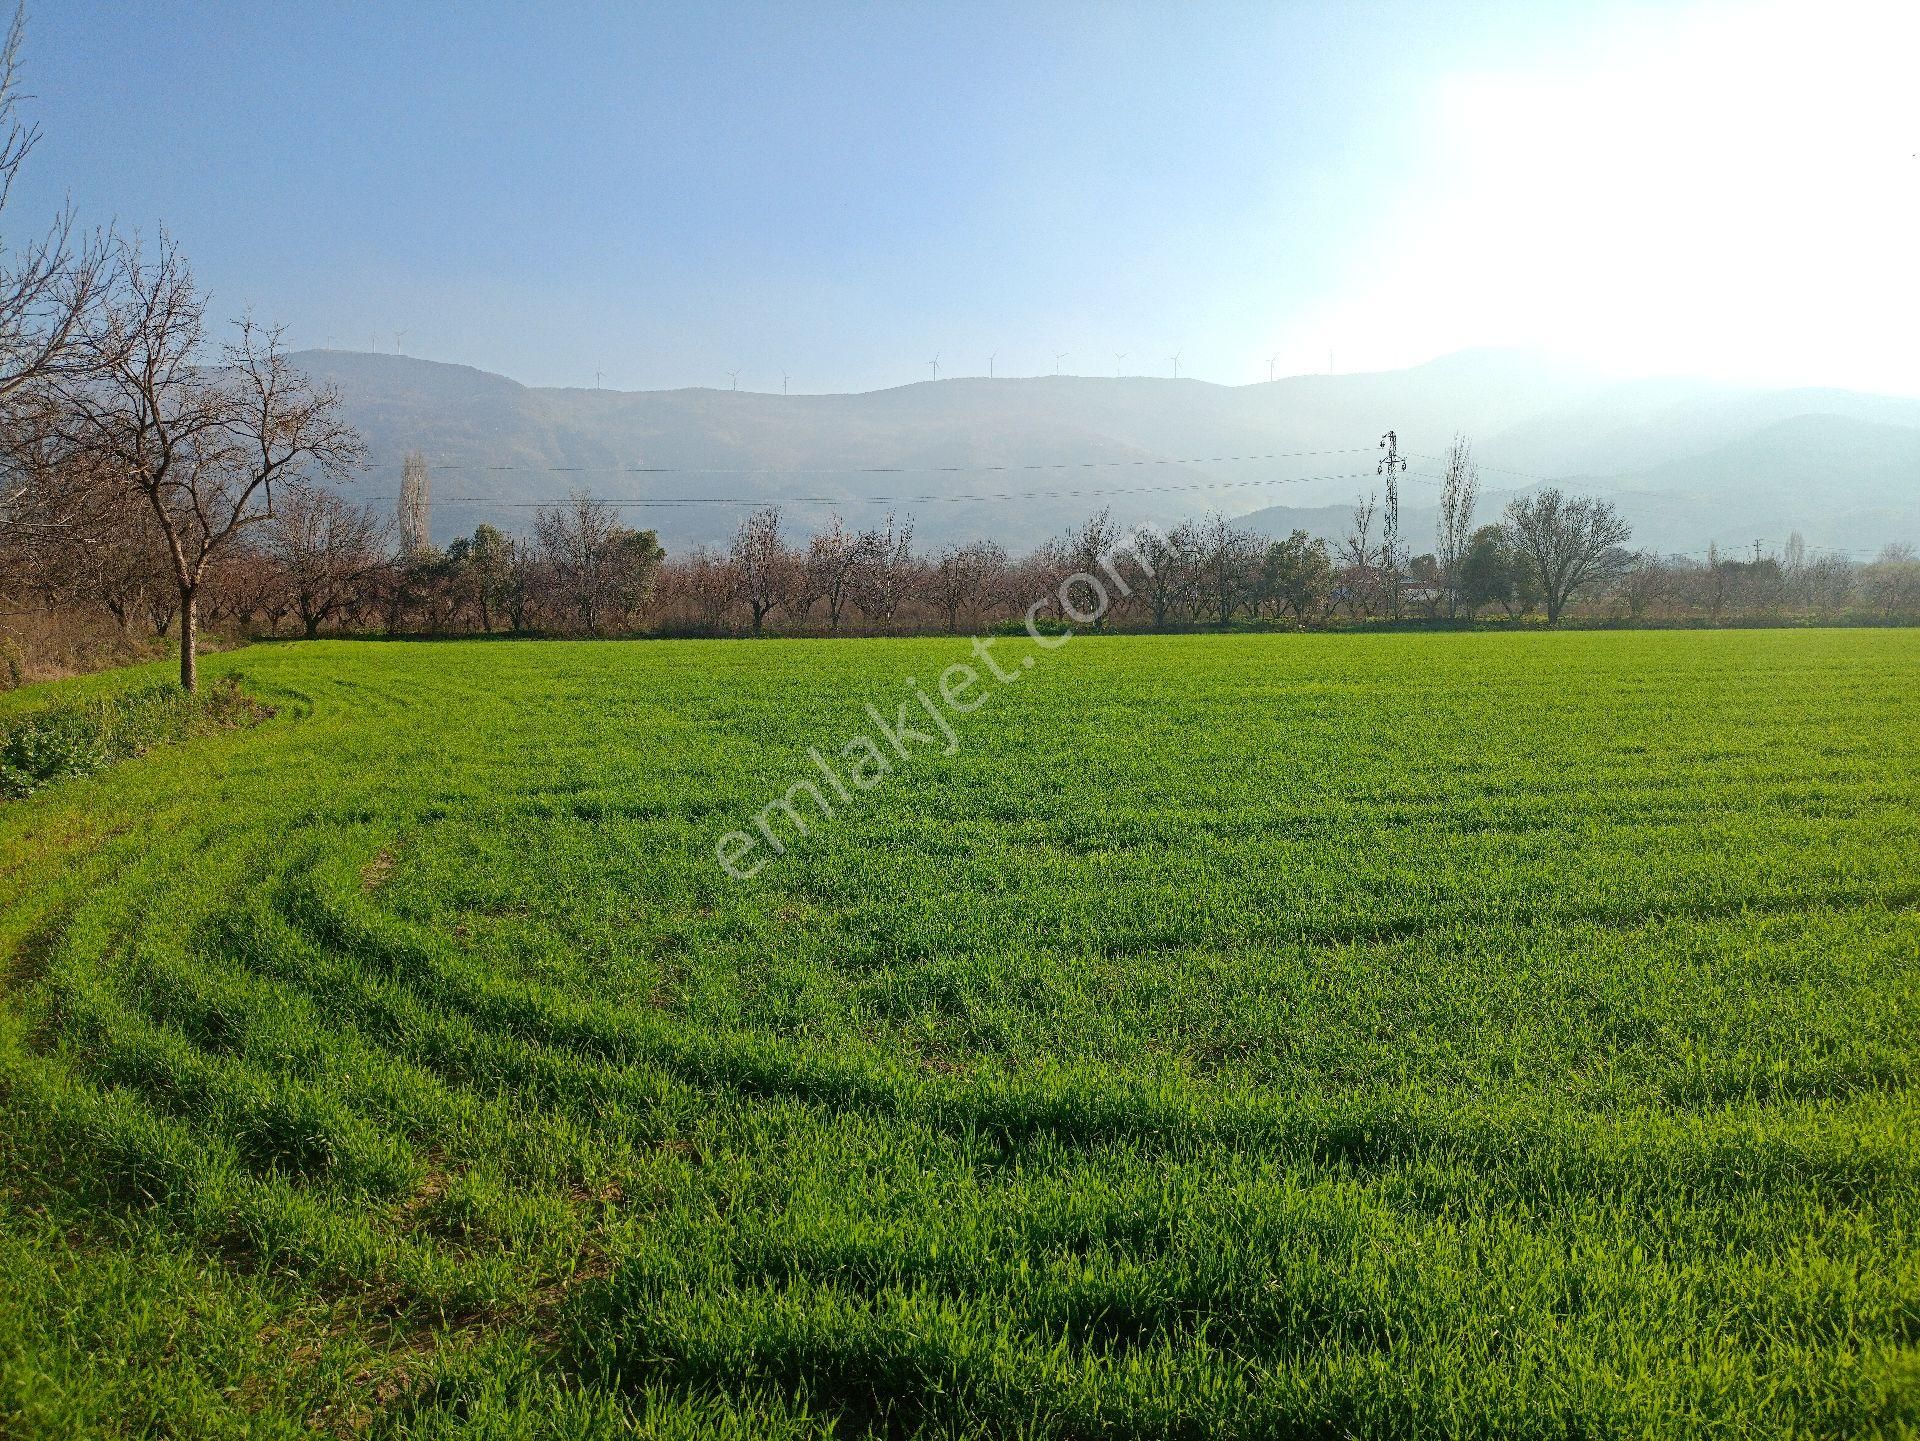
(887, 574)
(326, 548)
(833, 560)
(1170, 568)
(1225, 556)
(49, 287)
(599, 568)
(1459, 491)
(964, 577)
(762, 564)
(205, 445)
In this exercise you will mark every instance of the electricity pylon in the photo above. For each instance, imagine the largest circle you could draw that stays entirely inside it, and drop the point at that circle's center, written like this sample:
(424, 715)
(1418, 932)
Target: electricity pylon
(1393, 465)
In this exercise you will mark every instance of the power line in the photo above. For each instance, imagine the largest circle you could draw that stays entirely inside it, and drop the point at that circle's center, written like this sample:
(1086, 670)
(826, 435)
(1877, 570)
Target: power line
(457, 467)
(1828, 549)
(1556, 480)
(1502, 470)
(696, 500)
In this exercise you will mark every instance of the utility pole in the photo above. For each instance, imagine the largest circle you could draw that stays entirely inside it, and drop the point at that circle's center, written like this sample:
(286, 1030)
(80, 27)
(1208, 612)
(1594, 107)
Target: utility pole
(414, 519)
(1392, 466)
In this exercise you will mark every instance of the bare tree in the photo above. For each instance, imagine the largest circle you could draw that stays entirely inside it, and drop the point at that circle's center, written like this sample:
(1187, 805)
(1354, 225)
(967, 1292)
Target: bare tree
(1892, 581)
(1567, 543)
(579, 541)
(1828, 581)
(710, 587)
(834, 558)
(1088, 545)
(244, 584)
(1643, 581)
(49, 286)
(762, 565)
(520, 575)
(204, 445)
(1226, 561)
(887, 574)
(1084, 550)
(1169, 562)
(123, 567)
(1793, 559)
(326, 548)
(1459, 491)
(1710, 584)
(963, 575)
(1360, 571)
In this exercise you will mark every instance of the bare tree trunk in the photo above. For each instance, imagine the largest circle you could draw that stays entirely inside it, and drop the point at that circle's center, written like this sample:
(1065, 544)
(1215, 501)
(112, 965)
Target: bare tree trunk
(189, 637)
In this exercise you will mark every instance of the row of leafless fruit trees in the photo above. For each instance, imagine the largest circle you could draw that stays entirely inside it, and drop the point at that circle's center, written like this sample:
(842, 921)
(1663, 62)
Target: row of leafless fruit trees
(320, 564)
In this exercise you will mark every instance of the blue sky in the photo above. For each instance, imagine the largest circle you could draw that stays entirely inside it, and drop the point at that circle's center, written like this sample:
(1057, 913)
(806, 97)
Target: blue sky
(668, 193)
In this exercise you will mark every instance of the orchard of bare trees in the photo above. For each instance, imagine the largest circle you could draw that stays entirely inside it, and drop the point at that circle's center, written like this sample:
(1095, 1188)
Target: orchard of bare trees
(320, 563)
(314, 563)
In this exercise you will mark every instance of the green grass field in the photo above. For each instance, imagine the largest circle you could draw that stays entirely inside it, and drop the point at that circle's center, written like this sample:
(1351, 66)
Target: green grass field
(1241, 1036)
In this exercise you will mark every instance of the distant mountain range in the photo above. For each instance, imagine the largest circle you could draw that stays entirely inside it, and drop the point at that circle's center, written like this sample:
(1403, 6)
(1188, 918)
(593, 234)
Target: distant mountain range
(1020, 459)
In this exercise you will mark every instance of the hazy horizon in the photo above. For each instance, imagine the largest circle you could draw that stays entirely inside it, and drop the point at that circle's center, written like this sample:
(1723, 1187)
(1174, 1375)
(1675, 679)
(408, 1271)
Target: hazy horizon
(1692, 463)
(1570, 370)
(658, 198)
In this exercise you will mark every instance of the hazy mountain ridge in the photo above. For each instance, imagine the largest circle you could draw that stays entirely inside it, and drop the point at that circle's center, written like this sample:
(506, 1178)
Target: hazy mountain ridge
(1019, 459)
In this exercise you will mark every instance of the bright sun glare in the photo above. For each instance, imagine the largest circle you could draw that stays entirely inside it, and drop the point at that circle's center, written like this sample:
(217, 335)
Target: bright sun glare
(1733, 193)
